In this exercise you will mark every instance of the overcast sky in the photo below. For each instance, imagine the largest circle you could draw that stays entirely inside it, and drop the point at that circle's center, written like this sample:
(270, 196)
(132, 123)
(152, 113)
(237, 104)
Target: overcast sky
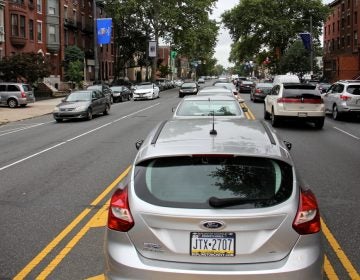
(222, 49)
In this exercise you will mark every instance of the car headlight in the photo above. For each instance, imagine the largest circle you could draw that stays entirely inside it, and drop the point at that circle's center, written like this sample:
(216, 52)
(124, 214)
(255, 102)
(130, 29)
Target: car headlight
(80, 108)
(56, 109)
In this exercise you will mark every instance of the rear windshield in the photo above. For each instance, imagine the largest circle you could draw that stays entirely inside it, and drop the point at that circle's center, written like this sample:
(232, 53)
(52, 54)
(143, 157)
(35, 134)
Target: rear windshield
(188, 85)
(353, 89)
(190, 182)
(27, 88)
(209, 108)
(302, 93)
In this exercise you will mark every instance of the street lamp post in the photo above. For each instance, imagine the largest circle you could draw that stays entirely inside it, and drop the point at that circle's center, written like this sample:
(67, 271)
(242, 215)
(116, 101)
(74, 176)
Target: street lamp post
(96, 59)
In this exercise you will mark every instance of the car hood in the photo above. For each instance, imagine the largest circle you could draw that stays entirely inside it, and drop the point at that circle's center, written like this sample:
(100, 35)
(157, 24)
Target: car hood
(73, 104)
(143, 90)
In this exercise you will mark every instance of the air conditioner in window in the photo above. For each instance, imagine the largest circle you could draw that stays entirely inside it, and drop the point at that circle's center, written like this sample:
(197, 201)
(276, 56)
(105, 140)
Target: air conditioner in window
(2, 31)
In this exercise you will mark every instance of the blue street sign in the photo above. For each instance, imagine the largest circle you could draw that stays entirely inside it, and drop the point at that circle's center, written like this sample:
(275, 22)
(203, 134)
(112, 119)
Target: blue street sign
(306, 39)
(103, 30)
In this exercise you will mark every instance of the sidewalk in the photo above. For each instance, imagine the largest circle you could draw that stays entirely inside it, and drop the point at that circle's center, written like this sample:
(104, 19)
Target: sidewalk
(36, 109)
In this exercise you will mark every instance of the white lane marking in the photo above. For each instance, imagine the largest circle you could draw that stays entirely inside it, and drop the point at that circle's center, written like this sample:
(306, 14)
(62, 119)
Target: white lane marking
(13, 130)
(347, 133)
(74, 138)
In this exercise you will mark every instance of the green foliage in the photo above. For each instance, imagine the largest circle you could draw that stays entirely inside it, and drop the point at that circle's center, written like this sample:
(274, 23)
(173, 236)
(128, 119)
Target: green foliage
(271, 24)
(30, 67)
(296, 59)
(75, 71)
(74, 64)
(164, 71)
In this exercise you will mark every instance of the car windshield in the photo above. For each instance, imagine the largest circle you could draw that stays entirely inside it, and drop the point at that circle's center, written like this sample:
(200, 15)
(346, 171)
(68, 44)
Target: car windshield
(188, 85)
(116, 88)
(79, 96)
(208, 108)
(149, 86)
(203, 181)
(95, 87)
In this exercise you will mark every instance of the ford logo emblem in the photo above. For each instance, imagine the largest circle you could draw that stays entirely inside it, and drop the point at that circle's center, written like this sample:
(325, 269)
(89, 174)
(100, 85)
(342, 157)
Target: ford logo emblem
(212, 224)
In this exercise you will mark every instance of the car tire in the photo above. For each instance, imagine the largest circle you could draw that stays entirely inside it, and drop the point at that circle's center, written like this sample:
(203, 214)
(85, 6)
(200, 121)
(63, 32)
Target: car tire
(111, 99)
(266, 114)
(274, 119)
(319, 123)
(23, 105)
(89, 114)
(12, 103)
(335, 113)
(107, 109)
(129, 97)
(180, 95)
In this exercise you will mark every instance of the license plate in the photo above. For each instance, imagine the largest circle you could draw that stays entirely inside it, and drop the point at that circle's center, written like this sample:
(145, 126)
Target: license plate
(212, 244)
(302, 115)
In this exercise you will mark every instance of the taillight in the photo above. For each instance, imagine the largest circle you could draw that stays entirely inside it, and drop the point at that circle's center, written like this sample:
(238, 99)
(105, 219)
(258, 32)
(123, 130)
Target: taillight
(119, 217)
(345, 97)
(258, 90)
(307, 218)
(300, 100)
(23, 95)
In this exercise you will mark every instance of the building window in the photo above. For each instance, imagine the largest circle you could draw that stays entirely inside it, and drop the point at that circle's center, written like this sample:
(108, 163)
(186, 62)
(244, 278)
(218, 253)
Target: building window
(52, 34)
(338, 25)
(355, 17)
(333, 45)
(74, 16)
(342, 42)
(66, 37)
(338, 43)
(333, 27)
(348, 40)
(355, 40)
(22, 27)
(31, 29)
(39, 31)
(342, 22)
(39, 6)
(14, 25)
(348, 19)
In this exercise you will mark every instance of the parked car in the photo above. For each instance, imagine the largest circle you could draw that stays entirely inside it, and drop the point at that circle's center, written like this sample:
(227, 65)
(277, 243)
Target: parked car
(215, 90)
(82, 104)
(16, 94)
(259, 91)
(201, 81)
(294, 101)
(188, 88)
(228, 85)
(213, 200)
(121, 93)
(161, 83)
(146, 91)
(105, 89)
(208, 106)
(245, 86)
(343, 98)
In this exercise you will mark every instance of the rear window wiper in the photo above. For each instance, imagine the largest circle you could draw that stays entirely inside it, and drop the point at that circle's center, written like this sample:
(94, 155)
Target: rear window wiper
(225, 202)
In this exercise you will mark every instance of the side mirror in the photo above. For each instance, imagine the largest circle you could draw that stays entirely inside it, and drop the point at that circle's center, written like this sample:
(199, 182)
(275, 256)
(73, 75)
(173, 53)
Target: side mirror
(288, 145)
(138, 144)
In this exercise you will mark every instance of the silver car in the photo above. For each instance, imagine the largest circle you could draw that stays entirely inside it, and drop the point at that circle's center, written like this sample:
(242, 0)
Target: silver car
(214, 90)
(343, 97)
(213, 200)
(16, 94)
(206, 106)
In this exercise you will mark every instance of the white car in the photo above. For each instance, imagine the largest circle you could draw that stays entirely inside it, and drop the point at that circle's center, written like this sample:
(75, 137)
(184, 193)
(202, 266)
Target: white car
(146, 91)
(294, 101)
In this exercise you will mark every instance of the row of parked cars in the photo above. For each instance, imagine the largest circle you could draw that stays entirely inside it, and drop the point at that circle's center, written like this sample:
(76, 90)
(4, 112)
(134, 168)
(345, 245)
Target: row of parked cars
(213, 195)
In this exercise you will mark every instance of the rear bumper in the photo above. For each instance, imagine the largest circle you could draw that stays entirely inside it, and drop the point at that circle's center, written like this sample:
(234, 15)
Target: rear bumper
(305, 261)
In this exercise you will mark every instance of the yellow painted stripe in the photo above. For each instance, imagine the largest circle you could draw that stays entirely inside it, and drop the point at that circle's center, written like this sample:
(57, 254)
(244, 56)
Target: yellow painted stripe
(329, 270)
(97, 277)
(354, 275)
(34, 262)
(68, 247)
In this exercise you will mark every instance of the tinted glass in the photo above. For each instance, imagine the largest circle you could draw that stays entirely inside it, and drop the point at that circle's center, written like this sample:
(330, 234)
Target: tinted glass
(301, 93)
(353, 89)
(13, 88)
(208, 108)
(2, 87)
(189, 182)
(188, 85)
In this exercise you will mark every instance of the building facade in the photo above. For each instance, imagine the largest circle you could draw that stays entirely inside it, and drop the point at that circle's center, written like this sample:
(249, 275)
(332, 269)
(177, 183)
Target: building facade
(341, 42)
(48, 27)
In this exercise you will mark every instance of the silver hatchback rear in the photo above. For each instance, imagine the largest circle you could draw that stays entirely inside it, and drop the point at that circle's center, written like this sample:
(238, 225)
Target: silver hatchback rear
(201, 205)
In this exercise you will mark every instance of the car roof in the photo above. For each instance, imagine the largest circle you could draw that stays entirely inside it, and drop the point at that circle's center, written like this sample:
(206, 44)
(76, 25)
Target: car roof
(179, 137)
(207, 97)
(215, 89)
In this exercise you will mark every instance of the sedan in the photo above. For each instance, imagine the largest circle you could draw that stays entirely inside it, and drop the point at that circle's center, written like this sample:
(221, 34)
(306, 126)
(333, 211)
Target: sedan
(188, 88)
(259, 91)
(228, 85)
(121, 93)
(245, 86)
(214, 90)
(82, 105)
(146, 91)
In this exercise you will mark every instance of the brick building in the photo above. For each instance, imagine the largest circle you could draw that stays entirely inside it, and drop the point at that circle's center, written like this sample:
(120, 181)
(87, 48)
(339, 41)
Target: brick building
(48, 27)
(341, 43)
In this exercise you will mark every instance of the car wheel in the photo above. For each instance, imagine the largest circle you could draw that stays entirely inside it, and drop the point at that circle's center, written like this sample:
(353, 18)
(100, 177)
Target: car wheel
(266, 114)
(107, 109)
(111, 99)
(128, 97)
(180, 95)
(335, 113)
(12, 103)
(89, 115)
(319, 123)
(274, 119)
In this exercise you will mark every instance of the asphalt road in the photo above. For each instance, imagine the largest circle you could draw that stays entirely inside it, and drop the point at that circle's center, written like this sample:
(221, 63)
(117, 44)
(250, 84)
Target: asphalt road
(55, 180)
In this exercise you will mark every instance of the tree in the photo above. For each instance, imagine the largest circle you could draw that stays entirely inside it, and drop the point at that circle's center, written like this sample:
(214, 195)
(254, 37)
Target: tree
(296, 59)
(271, 24)
(30, 67)
(74, 63)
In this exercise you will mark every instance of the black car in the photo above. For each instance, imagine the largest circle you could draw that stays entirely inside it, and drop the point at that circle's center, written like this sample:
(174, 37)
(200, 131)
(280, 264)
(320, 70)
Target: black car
(121, 93)
(259, 91)
(82, 104)
(188, 88)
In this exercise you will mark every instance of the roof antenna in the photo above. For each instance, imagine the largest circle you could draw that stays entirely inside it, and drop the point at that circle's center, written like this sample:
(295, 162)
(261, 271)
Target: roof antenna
(213, 131)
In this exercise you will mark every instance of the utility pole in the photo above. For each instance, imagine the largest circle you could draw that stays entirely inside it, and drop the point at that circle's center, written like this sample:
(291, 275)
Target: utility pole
(311, 46)
(96, 62)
